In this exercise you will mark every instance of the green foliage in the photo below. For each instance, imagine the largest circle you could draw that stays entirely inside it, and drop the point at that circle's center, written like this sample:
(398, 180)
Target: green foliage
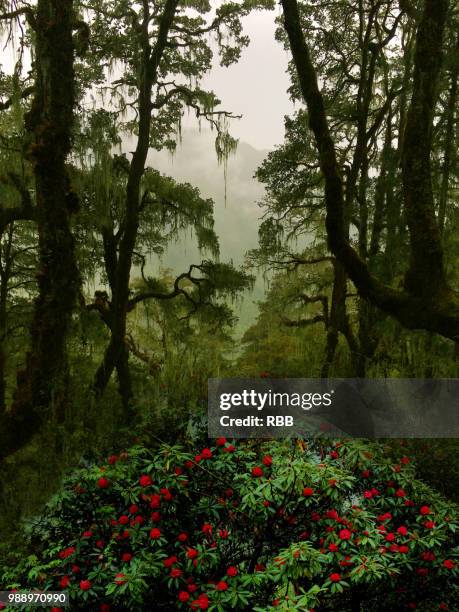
(232, 526)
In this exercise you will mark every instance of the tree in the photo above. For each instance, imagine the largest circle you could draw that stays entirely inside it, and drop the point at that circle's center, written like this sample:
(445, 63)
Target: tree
(427, 301)
(154, 48)
(44, 383)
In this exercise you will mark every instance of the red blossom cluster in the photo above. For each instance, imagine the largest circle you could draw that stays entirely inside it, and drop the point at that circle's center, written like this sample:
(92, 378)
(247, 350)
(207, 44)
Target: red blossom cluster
(200, 514)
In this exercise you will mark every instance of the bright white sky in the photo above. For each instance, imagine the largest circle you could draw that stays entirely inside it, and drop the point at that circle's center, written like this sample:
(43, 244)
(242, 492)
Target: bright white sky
(256, 87)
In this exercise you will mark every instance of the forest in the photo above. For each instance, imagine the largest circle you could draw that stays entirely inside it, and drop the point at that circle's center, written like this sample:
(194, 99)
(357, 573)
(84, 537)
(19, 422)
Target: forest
(118, 303)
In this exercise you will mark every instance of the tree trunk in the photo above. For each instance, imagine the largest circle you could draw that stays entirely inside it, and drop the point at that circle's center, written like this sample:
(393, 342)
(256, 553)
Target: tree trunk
(44, 382)
(449, 142)
(117, 354)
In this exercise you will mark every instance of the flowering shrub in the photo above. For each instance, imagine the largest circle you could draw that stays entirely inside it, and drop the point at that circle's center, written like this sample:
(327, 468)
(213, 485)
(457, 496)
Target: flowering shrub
(252, 526)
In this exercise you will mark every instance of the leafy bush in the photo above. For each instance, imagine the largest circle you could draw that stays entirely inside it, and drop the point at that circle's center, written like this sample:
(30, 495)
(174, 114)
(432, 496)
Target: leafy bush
(257, 526)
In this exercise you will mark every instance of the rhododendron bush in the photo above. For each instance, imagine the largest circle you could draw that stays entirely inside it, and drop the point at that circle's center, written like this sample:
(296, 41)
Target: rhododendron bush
(247, 526)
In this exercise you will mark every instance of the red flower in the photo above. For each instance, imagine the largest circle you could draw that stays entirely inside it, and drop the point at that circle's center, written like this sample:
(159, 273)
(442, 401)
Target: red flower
(155, 501)
(145, 480)
(390, 537)
(197, 458)
(123, 520)
(64, 582)
(331, 514)
(429, 524)
(206, 453)
(335, 577)
(257, 472)
(400, 493)
(332, 547)
(182, 537)
(183, 596)
(120, 578)
(133, 509)
(266, 503)
(402, 531)
(307, 491)
(192, 553)
(207, 528)
(229, 449)
(85, 585)
(103, 483)
(126, 557)
(232, 571)
(112, 459)
(221, 586)
(220, 441)
(449, 564)
(155, 533)
(175, 573)
(267, 460)
(366, 474)
(75, 569)
(345, 534)
(223, 533)
(166, 494)
(403, 549)
(169, 562)
(422, 571)
(405, 460)
(334, 454)
(202, 602)
(424, 510)
(427, 555)
(67, 552)
(188, 464)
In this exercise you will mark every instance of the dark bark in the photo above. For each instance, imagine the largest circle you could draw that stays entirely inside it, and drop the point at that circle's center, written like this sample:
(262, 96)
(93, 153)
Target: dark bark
(426, 273)
(439, 310)
(117, 353)
(43, 384)
(5, 275)
(449, 142)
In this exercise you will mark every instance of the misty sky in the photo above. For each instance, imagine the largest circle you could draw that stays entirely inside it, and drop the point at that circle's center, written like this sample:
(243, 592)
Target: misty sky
(256, 87)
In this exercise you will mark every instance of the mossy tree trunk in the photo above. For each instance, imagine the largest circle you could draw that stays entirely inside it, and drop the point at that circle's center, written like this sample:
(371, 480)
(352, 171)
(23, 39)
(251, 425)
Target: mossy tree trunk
(42, 386)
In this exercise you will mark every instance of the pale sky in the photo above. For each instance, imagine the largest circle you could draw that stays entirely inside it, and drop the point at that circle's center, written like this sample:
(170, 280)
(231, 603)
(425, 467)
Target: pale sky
(256, 87)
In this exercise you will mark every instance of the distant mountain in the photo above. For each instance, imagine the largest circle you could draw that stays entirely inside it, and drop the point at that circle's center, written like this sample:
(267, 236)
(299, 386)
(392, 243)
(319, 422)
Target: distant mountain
(236, 220)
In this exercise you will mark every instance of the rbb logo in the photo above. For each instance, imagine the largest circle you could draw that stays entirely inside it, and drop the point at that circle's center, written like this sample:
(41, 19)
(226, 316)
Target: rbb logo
(279, 421)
